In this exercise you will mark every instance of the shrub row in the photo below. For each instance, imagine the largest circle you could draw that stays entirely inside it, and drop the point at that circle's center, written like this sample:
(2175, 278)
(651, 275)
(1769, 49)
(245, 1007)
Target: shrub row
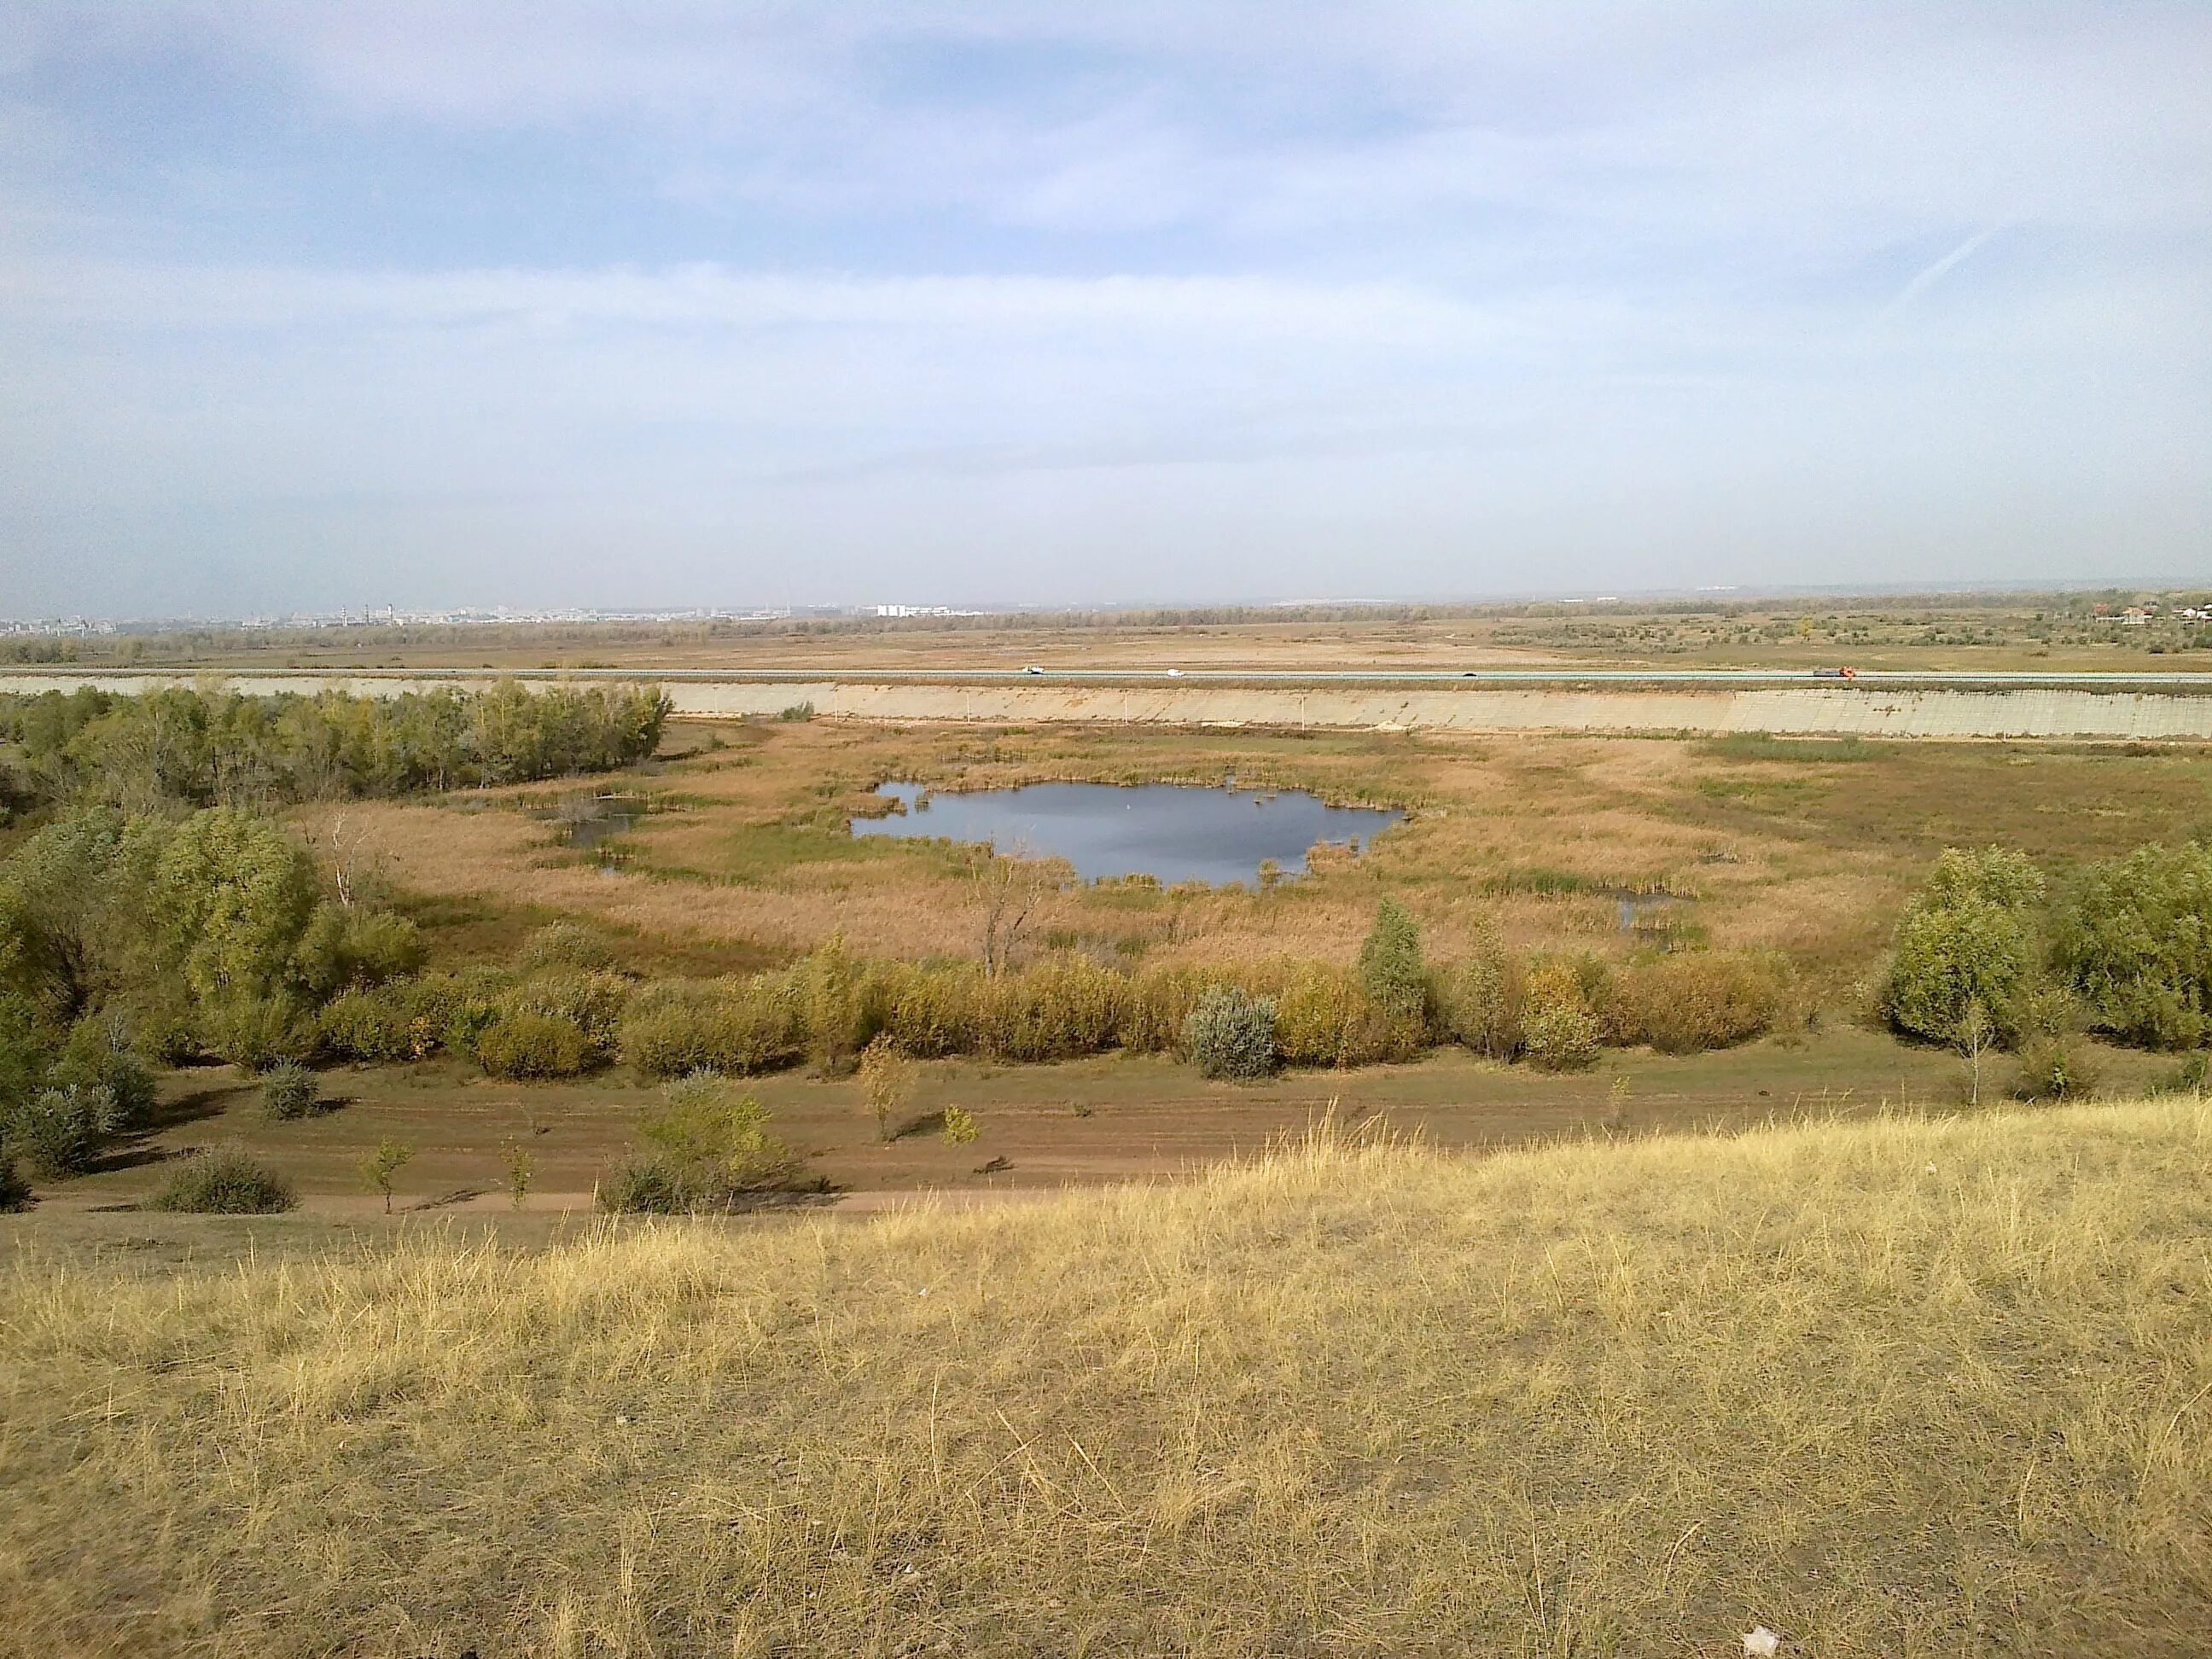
(563, 1020)
(1317, 1014)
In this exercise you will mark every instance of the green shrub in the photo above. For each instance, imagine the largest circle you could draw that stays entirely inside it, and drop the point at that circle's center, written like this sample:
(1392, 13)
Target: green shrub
(527, 1045)
(1157, 1004)
(1324, 1018)
(1480, 1001)
(347, 946)
(2053, 1068)
(97, 1055)
(378, 1027)
(1966, 942)
(1390, 969)
(254, 1032)
(840, 1014)
(378, 1169)
(59, 1132)
(452, 1010)
(222, 1181)
(15, 1191)
(168, 1032)
(936, 1010)
(1056, 1010)
(642, 1186)
(738, 1027)
(592, 1002)
(708, 1148)
(1231, 1035)
(1687, 1004)
(288, 1091)
(2187, 1078)
(2134, 938)
(1558, 1029)
(565, 944)
(961, 1128)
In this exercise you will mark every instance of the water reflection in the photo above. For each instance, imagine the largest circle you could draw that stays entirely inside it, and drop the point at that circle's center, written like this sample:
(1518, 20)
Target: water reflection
(1172, 832)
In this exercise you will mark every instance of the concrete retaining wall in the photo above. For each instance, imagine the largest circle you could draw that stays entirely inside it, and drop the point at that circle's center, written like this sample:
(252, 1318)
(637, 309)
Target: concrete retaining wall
(1800, 710)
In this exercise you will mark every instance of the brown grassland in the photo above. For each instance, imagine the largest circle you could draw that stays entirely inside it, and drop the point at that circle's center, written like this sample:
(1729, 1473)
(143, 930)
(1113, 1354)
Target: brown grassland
(1902, 1387)
(1956, 633)
(1805, 847)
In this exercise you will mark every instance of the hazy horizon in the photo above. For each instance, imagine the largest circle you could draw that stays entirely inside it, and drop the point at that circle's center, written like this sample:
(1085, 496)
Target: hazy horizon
(440, 306)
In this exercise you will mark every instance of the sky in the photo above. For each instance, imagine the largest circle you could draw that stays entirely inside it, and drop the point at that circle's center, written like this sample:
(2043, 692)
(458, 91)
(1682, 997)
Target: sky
(318, 303)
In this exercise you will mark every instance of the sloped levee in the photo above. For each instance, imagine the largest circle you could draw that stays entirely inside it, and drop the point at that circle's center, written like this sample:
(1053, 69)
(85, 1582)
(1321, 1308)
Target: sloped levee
(1863, 711)
(1812, 711)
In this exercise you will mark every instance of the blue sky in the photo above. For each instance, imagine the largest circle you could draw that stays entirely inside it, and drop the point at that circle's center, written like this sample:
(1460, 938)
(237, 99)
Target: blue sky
(306, 303)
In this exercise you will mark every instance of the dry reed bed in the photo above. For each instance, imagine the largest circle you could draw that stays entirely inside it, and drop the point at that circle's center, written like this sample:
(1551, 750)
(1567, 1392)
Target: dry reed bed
(1903, 1388)
(1604, 810)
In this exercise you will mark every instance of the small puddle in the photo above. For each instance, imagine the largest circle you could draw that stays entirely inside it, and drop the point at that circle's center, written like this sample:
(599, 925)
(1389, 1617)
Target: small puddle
(1171, 832)
(587, 822)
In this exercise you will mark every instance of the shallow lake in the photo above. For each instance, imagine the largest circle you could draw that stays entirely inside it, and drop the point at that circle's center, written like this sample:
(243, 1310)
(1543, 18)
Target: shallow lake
(1174, 832)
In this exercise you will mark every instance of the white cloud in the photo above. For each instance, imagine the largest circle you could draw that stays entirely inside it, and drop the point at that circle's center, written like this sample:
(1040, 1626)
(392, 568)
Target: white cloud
(1431, 295)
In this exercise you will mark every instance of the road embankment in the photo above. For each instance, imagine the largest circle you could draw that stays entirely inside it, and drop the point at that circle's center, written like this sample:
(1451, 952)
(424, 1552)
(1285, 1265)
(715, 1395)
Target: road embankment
(1860, 710)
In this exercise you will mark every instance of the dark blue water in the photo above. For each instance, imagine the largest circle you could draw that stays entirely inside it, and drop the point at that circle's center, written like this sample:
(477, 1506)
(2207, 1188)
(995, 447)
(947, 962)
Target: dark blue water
(1175, 832)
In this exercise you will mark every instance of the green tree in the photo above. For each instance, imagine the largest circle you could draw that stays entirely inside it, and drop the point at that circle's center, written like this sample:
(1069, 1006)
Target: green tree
(1967, 947)
(59, 894)
(1390, 969)
(2134, 938)
(1481, 998)
(380, 1168)
(24, 1049)
(888, 1080)
(233, 894)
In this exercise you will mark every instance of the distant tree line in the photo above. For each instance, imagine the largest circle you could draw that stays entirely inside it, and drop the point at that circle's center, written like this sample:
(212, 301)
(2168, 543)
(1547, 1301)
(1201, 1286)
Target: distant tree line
(219, 748)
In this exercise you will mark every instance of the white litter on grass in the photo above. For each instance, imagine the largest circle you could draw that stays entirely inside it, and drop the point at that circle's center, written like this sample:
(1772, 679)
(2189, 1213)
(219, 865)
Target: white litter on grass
(1760, 1642)
(1931, 1169)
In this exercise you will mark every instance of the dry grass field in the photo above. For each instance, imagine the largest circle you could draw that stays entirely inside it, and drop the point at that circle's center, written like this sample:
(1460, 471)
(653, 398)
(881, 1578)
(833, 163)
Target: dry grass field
(1895, 1388)
(1806, 847)
(1967, 634)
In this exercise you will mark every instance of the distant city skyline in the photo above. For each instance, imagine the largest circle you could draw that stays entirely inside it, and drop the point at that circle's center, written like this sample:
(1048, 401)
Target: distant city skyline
(1729, 595)
(478, 303)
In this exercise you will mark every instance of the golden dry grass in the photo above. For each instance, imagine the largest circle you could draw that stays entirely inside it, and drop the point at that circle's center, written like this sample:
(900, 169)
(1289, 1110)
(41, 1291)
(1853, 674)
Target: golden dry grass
(1896, 1389)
